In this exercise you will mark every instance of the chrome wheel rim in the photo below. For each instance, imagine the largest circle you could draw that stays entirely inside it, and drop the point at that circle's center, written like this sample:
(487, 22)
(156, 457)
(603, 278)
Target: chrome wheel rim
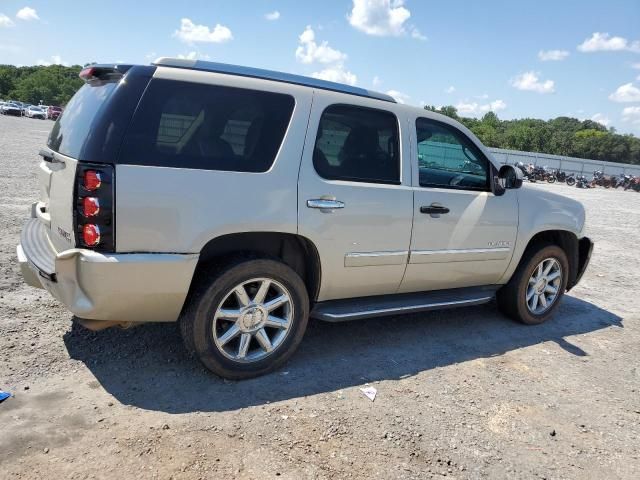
(253, 320)
(544, 286)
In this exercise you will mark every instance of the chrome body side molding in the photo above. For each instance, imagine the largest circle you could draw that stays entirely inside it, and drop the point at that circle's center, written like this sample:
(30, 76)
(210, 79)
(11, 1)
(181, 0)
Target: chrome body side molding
(372, 259)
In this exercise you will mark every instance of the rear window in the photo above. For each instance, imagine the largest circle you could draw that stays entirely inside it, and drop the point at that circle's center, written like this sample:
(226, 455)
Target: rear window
(70, 132)
(92, 125)
(189, 125)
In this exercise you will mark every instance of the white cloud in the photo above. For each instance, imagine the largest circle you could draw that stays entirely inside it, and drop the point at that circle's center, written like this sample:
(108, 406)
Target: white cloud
(379, 17)
(275, 15)
(631, 115)
(191, 33)
(450, 89)
(636, 65)
(399, 96)
(529, 81)
(54, 60)
(415, 33)
(626, 93)
(601, 118)
(376, 81)
(193, 55)
(552, 55)
(336, 73)
(5, 21)
(475, 109)
(603, 42)
(27, 13)
(309, 51)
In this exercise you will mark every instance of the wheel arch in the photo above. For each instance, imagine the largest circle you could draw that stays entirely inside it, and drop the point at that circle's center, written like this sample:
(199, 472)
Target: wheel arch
(567, 241)
(296, 251)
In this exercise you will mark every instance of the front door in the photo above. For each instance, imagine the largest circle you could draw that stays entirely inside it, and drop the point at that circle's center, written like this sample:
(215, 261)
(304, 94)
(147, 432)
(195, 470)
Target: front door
(463, 234)
(355, 201)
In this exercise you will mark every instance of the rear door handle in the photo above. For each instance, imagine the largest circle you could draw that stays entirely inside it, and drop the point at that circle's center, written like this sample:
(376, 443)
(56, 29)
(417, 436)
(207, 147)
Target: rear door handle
(325, 204)
(434, 209)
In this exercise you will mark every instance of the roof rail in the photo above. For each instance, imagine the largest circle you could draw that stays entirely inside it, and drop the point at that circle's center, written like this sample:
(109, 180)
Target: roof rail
(270, 75)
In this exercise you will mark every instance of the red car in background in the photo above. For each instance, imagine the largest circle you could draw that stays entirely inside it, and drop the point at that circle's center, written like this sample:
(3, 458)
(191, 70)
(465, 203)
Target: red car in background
(54, 112)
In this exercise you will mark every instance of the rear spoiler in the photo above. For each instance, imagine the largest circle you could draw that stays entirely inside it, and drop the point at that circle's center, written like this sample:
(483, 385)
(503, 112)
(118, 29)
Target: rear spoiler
(103, 72)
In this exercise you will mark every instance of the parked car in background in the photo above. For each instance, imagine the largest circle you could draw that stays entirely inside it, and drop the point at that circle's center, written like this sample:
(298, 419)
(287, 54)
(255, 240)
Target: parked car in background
(11, 108)
(35, 112)
(240, 202)
(53, 112)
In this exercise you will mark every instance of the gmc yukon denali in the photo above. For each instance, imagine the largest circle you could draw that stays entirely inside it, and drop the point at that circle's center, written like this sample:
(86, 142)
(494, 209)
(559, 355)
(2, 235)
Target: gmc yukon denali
(240, 202)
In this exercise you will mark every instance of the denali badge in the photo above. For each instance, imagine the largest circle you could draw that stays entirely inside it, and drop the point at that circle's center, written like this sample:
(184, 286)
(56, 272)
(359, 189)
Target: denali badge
(64, 234)
(500, 243)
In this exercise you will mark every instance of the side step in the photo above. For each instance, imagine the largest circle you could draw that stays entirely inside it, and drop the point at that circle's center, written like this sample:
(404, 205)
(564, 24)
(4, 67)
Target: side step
(382, 305)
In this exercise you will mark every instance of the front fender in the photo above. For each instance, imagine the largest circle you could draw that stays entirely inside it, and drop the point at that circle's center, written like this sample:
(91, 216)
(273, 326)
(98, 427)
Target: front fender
(543, 211)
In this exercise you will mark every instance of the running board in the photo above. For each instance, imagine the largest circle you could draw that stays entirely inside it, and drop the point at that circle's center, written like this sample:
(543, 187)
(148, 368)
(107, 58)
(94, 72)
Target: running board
(383, 305)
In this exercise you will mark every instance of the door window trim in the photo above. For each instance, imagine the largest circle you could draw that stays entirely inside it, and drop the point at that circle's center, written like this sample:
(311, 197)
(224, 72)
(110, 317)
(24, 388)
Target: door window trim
(354, 180)
(464, 138)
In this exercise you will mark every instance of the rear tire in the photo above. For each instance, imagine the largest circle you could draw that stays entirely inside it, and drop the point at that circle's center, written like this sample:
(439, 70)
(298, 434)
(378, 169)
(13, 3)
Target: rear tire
(516, 298)
(246, 318)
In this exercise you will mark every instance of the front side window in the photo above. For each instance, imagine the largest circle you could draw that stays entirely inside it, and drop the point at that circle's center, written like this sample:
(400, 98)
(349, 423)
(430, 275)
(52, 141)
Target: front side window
(357, 144)
(189, 125)
(448, 159)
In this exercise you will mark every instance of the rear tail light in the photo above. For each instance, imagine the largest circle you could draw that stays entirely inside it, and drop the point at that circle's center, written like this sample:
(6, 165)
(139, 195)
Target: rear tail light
(94, 207)
(90, 206)
(90, 235)
(92, 180)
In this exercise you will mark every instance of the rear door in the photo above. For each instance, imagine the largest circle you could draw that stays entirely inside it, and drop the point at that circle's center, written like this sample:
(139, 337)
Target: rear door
(463, 234)
(354, 198)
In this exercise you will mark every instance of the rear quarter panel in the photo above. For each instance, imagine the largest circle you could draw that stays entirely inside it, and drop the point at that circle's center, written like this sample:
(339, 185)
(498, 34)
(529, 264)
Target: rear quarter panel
(160, 209)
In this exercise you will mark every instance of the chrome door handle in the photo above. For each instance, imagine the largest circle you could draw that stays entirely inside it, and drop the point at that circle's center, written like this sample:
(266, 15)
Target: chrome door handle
(325, 204)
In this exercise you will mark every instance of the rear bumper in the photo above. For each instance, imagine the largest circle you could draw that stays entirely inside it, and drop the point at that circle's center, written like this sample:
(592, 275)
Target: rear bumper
(136, 287)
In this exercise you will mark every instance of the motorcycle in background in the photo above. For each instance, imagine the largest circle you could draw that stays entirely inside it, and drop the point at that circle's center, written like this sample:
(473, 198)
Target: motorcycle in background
(583, 182)
(560, 175)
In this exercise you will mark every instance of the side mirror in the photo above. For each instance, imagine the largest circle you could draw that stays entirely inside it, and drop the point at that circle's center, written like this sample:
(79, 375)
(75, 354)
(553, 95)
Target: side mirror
(509, 177)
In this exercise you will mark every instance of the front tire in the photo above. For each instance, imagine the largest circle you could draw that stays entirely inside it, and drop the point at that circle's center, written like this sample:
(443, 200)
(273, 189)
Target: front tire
(247, 319)
(534, 291)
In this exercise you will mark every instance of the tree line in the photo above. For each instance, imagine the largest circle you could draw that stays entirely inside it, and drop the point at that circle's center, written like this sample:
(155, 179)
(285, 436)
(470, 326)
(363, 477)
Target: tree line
(559, 136)
(50, 85)
(56, 84)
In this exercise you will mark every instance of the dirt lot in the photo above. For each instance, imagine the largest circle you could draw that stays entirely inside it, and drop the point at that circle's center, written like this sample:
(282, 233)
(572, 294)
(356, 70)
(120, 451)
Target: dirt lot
(463, 394)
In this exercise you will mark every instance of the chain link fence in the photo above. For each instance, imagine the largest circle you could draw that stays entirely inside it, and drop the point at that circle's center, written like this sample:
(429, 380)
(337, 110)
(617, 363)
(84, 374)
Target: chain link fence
(580, 166)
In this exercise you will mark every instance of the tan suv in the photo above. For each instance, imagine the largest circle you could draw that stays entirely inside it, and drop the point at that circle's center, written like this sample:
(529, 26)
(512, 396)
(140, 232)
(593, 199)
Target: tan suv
(239, 202)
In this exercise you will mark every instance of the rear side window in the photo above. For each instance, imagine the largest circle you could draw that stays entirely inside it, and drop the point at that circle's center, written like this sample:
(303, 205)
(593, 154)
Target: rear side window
(357, 144)
(190, 125)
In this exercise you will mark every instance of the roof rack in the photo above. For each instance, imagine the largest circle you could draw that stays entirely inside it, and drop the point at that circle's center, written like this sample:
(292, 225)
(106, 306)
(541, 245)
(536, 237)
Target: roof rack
(270, 75)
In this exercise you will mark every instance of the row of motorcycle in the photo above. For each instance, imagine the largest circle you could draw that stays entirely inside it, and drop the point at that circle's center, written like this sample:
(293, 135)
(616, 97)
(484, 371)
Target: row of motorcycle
(534, 173)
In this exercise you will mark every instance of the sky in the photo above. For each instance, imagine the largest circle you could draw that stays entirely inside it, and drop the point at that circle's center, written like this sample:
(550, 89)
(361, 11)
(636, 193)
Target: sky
(536, 59)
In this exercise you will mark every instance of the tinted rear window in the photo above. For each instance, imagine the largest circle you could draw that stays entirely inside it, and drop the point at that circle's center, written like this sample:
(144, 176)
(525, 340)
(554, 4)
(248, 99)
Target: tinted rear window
(92, 125)
(72, 129)
(190, 125)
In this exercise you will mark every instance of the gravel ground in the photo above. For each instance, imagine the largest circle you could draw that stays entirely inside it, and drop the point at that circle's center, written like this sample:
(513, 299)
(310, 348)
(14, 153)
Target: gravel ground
(463, 393)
